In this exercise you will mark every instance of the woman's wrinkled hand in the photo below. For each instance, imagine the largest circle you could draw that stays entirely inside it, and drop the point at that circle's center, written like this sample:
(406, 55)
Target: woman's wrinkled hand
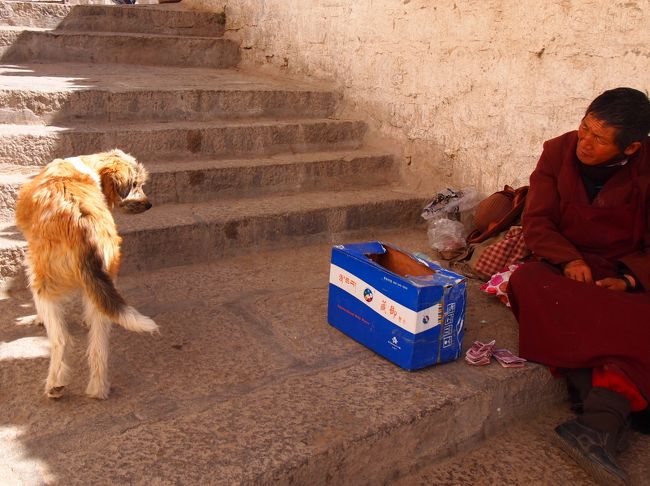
(612, 283)
(580, 271)
(617, 283)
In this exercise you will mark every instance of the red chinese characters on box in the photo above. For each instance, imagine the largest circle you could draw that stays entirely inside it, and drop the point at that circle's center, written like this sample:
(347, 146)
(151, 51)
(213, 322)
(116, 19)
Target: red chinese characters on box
(348, 281)
(390, 312)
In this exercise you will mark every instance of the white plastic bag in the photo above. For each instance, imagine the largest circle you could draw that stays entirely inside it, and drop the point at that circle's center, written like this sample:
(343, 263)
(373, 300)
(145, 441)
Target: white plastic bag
(449, 217)
(450, 203)
(446, 234)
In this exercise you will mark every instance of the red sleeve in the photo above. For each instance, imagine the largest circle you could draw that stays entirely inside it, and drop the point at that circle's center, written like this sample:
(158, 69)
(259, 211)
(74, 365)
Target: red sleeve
(542, 213)
(639, 265)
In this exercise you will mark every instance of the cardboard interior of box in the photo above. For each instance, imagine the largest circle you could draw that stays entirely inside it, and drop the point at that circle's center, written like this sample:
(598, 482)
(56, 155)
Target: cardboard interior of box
(400, 263)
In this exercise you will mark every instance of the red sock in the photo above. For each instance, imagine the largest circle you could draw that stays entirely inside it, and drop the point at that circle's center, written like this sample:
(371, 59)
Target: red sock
(612, 378)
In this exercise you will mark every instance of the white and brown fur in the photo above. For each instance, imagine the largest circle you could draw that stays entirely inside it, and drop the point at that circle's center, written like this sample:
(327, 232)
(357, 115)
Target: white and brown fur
(65, 215)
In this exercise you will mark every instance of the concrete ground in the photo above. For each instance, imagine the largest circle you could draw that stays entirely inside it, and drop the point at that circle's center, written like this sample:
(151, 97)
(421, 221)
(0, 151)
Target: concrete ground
(248, 384)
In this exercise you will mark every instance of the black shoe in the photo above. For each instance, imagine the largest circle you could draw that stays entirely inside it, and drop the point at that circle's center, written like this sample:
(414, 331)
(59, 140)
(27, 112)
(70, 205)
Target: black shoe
(624, 436)
(588, 447)
(575, 400)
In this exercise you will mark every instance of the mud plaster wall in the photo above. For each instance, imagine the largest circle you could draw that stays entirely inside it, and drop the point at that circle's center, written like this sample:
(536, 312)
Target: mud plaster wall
(464, 91)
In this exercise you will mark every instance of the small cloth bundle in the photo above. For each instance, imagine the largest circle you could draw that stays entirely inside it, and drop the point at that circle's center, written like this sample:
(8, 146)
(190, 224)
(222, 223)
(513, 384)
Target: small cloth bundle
(509, 250)
(498, 283)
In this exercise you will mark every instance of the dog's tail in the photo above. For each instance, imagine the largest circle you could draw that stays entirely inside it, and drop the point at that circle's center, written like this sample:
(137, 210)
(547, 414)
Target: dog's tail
(99, 287)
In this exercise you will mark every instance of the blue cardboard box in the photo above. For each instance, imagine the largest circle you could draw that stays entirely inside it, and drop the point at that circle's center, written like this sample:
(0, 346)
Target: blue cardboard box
(409, 310)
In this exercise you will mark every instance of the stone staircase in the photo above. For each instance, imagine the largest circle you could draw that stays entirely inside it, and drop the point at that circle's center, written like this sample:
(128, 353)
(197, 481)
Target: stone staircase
(237, 160)
(252, 179)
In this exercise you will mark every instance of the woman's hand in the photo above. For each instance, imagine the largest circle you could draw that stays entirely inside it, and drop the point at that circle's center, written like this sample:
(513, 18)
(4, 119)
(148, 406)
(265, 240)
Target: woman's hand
(612, 283)
(617, 283)
(580, 271)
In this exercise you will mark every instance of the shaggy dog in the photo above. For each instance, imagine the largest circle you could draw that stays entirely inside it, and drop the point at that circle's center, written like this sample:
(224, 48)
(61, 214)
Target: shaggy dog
(65, 215)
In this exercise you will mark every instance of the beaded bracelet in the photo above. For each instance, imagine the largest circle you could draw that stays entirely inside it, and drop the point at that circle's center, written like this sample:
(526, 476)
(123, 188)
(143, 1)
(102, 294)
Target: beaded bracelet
(628, 282)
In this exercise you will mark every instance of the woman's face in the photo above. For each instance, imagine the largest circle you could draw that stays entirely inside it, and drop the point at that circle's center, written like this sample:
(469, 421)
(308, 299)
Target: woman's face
(596, 143)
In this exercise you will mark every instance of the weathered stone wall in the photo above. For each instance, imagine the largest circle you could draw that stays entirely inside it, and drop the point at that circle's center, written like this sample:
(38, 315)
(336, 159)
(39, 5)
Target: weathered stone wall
(468, 90)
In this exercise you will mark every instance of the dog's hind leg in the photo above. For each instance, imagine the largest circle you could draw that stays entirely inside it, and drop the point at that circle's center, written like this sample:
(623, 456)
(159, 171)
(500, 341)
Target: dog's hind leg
(52, 315)
(98, 336)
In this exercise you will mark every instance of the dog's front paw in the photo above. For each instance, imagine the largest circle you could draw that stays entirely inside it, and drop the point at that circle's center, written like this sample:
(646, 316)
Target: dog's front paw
(55, 392)
(98, 390)
(33, 320)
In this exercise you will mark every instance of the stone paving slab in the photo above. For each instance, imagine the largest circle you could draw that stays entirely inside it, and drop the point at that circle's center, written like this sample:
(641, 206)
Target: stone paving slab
(113, 18)
(39, 145)
(248, 384)
(524, 454)
(22, 44)
(64, 93)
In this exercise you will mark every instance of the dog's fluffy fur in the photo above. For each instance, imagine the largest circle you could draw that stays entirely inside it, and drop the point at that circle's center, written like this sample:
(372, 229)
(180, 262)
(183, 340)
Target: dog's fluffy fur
(65, 215)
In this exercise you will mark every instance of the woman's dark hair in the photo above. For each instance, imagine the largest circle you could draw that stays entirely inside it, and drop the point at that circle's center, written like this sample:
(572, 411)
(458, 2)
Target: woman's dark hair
(628, 110)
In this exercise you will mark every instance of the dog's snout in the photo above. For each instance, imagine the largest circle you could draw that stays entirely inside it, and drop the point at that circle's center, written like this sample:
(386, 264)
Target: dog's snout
(135, 206)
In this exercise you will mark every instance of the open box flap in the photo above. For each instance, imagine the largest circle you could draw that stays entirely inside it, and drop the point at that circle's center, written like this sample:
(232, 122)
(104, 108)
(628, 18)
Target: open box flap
(429, 272)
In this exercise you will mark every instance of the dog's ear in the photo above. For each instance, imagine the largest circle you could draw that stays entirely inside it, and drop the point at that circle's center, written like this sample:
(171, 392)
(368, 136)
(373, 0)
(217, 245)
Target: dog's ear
(116, 183)
(123, 188)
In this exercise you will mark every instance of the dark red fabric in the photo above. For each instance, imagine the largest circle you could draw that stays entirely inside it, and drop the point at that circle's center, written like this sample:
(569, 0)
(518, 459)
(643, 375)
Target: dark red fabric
(568, 324)
(613, 379)
(560, 224)
(602, 231)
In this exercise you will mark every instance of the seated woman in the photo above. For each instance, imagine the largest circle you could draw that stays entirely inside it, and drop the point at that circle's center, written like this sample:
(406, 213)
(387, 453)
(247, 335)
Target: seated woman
(583, 305)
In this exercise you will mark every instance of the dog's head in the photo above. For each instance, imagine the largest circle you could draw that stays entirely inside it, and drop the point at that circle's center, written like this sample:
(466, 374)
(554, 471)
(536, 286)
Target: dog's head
(122, 179)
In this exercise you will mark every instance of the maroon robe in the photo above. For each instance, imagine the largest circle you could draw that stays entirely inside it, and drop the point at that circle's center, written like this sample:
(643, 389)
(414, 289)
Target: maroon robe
(570, 324)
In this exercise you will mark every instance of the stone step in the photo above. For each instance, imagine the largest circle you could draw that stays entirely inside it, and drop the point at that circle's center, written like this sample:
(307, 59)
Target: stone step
(196, 181)
(180, 234)
(203, 180)
(56, 94)
(524, 453)
(39, 145)
(20, 44)
(248, 384)
(11, 178)
(151, 19)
